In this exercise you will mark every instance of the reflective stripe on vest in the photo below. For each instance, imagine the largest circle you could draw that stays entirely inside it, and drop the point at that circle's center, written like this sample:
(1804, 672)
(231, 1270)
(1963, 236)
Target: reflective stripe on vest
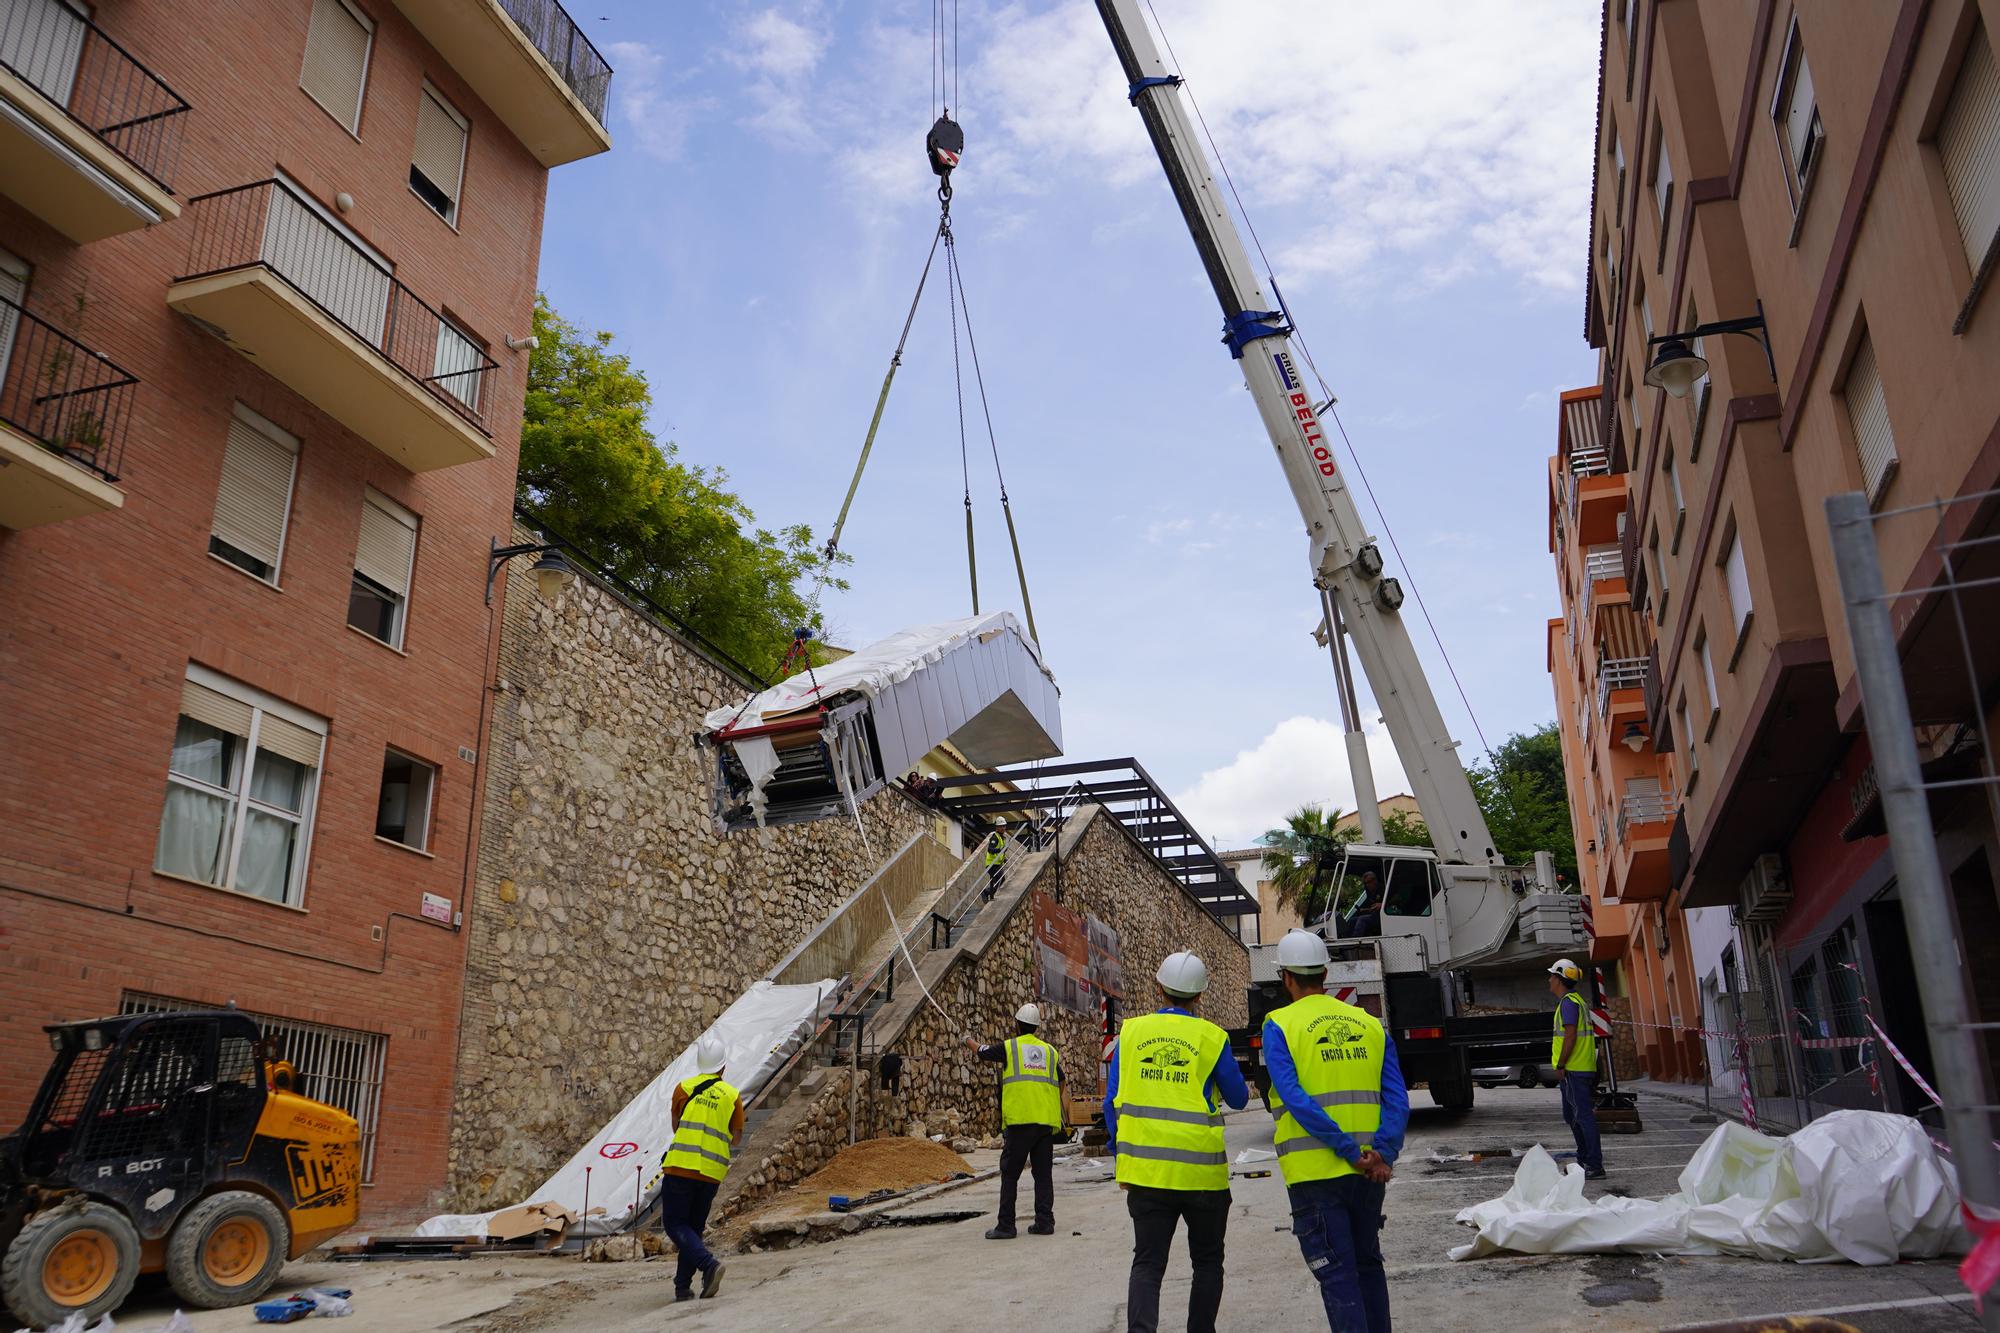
(702, 1140)
(1337, 1051)
(1169, 1133)
(1029, 1092)
(1582, 1059)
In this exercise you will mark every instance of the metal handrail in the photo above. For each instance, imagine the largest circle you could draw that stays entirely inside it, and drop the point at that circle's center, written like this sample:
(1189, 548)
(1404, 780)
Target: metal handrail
(124, 105)
(1649, 807)
(1606, 561)
(62, 394)
(1618, 673)
(1591, 462)
(234, 229)
(556, 35)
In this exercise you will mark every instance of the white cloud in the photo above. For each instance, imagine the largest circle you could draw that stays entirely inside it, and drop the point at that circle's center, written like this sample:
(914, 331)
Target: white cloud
(647, 110)
(782, 53)
(1303, 759)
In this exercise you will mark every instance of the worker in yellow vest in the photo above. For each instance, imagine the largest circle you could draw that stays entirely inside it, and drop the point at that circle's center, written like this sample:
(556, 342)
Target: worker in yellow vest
(1573, 1052)
(1031, 1115)
(708, 1123)
(1171, 1072)
(996, 859)
(1342, 1114)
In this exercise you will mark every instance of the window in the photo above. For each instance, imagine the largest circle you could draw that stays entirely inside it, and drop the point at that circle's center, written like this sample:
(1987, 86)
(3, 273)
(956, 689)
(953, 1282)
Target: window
(382, 562)
(13, 294)
(1736, 581)
(240, 785)
(336, 68)
(1618, 160)
(1968, 141)
(1646, 315)
(458, 364)
(1795, 114)
(1708, 677)
(339, 1066)
(1680, 504)
(1687, 737)
(1659, 572)
(347, 277)
(437, 163)
(1697, 399)
(404, 813)
(253, 504)
(1868, 415)
(1663, 187)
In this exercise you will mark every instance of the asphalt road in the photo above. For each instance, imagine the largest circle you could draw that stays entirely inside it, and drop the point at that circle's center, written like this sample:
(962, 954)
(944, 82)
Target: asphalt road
(948, 1277)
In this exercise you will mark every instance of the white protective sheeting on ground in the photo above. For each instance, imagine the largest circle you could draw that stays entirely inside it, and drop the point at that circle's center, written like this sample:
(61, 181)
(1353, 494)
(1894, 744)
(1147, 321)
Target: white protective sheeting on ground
(758, 1033)
(1865, 1186)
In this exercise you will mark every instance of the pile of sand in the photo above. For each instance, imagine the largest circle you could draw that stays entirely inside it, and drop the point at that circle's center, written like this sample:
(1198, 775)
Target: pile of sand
(862, 1168)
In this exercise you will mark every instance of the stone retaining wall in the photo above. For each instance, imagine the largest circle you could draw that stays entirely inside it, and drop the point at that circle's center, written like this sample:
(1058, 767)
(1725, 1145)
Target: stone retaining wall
(609, 922)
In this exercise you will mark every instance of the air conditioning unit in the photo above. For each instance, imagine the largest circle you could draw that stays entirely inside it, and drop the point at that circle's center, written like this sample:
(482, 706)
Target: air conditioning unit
(1767, 893)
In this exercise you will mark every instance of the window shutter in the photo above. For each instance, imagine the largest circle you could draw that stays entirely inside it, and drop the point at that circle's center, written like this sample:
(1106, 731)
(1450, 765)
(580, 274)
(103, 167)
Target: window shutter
(440, 148)
(1969, 142)
(336, 59)
(256, 491)
(296, 743)
(1868, 411)
(215, 708)
(388, 543)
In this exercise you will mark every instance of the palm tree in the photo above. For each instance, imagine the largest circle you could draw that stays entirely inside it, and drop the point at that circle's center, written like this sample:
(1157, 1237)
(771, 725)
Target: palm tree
(1302, 858)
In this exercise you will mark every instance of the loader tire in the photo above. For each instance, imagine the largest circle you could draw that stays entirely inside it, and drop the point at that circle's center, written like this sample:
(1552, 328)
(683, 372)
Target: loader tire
(68, 1260)
(227, 1249)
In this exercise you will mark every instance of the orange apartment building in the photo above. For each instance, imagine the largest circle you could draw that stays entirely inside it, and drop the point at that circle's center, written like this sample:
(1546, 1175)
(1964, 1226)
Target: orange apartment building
(1834, 169)
(265, 266)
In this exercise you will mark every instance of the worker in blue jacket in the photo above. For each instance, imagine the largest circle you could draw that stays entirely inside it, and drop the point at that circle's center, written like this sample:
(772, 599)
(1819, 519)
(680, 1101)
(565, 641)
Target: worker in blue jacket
(1342, 1112)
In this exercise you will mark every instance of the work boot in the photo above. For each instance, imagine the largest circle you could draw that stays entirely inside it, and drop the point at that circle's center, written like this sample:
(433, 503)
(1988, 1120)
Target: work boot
(1042, 1229)
(1001, 1233)
(711, 1281)
(680, 1295)
(1594, 1175)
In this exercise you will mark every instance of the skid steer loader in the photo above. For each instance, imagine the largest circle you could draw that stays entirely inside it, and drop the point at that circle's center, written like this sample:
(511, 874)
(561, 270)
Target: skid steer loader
(167, 1142)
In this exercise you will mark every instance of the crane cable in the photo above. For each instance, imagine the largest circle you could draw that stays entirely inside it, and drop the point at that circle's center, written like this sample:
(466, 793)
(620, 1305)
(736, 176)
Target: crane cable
(1331, 402)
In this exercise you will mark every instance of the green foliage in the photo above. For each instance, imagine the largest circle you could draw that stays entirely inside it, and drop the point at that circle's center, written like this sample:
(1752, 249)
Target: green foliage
(592, 468)
(1526, 801)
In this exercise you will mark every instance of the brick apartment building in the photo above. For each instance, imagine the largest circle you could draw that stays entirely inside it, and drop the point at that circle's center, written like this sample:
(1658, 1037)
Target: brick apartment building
(260, 265)
(1836, 169)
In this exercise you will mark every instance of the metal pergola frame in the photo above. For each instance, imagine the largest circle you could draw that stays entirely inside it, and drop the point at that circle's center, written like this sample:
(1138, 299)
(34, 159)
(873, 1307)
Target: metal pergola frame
(1128, 794)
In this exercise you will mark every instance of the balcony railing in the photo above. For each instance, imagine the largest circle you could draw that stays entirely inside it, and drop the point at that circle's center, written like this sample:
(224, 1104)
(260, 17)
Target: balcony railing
(1604, 562)
(1589, 463)
(555, 34)
(271, 225)
(61, 394)
(95, 82)
(1643, 807)
(1618, 673)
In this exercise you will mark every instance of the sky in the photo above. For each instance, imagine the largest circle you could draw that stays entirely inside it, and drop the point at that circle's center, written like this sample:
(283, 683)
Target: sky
(1419, 176)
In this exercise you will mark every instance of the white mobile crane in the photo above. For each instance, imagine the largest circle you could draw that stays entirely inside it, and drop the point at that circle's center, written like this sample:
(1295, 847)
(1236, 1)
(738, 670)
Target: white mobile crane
(1454, 920)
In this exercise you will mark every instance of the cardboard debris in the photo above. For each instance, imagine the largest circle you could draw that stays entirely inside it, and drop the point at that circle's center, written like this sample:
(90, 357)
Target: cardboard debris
(529, 1219)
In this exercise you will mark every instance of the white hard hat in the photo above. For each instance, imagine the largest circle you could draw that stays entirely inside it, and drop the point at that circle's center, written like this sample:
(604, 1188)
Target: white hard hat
(1183, 974)
(1001, 821)
(1567, 970)
(1030, 1014)
(708, 1056)
(1302, 951)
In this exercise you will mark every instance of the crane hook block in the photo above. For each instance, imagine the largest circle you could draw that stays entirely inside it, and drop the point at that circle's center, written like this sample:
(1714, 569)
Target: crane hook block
(944, 144)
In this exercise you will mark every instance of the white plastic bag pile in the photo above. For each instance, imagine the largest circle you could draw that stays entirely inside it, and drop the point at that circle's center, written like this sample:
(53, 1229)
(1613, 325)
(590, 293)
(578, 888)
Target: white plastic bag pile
(75, 1324)
(1864, 1186)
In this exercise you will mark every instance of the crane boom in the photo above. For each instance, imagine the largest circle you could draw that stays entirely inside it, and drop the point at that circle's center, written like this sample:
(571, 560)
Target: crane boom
(1345, 561)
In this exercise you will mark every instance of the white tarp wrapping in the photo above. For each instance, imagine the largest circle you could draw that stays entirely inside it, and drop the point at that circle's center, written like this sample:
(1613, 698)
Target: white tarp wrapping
(758, 1033)
(1864, 1186)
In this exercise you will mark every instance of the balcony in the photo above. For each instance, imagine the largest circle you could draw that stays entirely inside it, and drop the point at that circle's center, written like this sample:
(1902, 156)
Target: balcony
(1640, 859)
(1621, 681)
(88, 136)
(63, 414)
(528, 60)
(285, 285)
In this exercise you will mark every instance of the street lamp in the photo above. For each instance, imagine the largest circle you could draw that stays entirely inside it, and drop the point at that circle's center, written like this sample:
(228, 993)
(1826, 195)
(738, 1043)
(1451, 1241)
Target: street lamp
(552, 572)
(1634, 737)
(1676, 366)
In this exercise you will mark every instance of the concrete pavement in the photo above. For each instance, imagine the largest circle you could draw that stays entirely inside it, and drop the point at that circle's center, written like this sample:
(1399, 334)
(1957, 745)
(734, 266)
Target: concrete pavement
(947, 1276)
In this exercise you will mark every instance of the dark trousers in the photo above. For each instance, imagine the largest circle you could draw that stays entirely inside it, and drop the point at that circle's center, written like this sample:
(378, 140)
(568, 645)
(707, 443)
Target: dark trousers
(994, 874)
(684, 1208)
(1580, 1114)
(1339, 1228)
(1155, 1212)
(1031, 1146)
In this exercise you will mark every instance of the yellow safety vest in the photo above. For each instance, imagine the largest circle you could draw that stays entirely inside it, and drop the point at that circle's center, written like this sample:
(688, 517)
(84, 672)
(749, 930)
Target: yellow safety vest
(1169, 1133)
(1337, 1050)
(1582, 1060)
(1028, 1084)
(996, 851)
(702, 1140)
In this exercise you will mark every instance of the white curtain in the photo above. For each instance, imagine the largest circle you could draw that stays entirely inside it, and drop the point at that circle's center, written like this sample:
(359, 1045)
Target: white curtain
(194, 834)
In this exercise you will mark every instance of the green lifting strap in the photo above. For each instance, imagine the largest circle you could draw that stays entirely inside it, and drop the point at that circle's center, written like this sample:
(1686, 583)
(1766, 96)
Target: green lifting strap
(1020, 571)
(971, 560)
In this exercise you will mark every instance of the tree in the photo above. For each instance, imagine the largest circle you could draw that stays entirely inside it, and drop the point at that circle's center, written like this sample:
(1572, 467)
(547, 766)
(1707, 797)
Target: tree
(592, 469)
(1526, 800)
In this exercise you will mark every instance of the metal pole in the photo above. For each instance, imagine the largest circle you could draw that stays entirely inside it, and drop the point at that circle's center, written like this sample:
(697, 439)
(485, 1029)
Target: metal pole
(1927, 910)
(583, 1223)
(854, 1085)
(1359, 768)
